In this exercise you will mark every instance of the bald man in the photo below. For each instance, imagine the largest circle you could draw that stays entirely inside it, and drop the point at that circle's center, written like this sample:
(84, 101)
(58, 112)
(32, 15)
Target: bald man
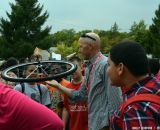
(103, 99)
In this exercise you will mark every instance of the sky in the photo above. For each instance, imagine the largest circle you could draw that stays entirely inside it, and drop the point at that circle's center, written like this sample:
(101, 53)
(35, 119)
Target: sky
(93, 14)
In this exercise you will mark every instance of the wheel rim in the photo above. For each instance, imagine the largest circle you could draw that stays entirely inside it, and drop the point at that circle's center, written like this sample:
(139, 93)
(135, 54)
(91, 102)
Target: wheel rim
(39, 64)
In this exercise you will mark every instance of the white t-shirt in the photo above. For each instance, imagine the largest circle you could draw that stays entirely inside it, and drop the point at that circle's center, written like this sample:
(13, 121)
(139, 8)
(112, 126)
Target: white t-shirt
(33, 92)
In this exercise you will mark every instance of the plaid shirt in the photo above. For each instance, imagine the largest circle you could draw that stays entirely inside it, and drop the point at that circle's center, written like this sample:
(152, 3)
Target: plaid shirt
(139, 115)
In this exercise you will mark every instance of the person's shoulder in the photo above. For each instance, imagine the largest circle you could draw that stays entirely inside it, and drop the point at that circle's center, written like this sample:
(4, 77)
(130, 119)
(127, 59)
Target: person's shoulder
(64, 82)
(18, 86)
(70, 85)
(103, 60)
(130, 111)
(42, 86)
(27, 85)
(141, 107)
(103, 63)
(3, 87)
(2, 84)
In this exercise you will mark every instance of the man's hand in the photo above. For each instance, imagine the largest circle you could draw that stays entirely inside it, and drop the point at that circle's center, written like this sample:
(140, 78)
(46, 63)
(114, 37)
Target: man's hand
(53, 83)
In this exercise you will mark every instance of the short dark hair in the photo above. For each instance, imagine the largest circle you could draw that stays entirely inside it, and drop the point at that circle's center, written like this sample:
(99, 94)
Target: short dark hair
(154, 66)
(132, 55)
(9, 62)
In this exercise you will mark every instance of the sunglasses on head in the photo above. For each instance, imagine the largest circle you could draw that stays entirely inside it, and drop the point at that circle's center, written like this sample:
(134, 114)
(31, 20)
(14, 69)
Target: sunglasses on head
(87, 36)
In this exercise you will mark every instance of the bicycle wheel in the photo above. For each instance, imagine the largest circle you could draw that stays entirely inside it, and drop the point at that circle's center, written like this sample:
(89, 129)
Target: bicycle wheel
(43, 70)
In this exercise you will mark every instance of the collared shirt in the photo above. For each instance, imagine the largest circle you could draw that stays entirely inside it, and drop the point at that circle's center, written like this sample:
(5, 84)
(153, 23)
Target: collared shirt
(139, 115)
(103, 99)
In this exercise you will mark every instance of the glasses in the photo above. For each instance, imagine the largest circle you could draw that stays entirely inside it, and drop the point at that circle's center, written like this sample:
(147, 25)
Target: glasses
(87, 36)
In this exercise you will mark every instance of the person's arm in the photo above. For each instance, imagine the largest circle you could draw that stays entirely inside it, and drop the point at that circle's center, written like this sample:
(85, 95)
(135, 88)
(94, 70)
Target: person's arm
(63, 89)
(73, 95)
(65, 117)
(114, 94)
(114, 98)
(18, 87)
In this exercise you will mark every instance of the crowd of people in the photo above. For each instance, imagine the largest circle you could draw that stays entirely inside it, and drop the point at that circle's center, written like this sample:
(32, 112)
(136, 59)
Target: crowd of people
(118, 92)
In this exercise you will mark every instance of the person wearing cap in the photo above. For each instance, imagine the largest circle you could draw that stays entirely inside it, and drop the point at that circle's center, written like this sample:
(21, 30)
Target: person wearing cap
(103, 99)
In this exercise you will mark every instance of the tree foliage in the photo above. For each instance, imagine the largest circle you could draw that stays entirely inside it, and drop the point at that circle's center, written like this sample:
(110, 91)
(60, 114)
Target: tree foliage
(140, 34)
(64, 36)
(23, 30)
(64, 50)
(155, 34)
(23, 27)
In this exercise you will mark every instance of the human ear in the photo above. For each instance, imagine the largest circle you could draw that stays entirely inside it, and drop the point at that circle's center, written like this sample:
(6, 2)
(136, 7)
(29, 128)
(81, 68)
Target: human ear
(120, 68)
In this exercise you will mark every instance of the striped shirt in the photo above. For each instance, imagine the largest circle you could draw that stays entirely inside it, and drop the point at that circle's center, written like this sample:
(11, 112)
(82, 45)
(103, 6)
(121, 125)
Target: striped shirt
(103, 99)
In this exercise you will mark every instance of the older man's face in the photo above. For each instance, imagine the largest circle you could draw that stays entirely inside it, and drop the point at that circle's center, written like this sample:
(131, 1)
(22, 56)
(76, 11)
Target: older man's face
(85, 49)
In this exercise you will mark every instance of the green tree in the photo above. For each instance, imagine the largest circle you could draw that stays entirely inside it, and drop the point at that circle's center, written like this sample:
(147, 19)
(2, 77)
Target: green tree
(105, 46)
(113, 35)
(64, 36)
(114, 28)
(23, 28)
(155, 34)
(140, 33)
(64, 50)
(137, 28)
(114, 31)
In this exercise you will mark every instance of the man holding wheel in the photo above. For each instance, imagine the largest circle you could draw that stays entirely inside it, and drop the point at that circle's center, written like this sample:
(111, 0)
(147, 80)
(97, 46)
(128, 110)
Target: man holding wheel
(103, 99)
